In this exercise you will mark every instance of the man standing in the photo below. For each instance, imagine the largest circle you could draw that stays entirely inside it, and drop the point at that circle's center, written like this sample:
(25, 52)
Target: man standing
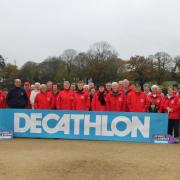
(81, 98)
(27, 88)
(17, 97)
(41, 99)
(65, 99)
(137, 100)
(52, 96)
(115, 99)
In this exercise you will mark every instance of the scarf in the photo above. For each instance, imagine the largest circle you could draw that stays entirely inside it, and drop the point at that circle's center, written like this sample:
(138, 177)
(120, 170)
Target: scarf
(101, 98)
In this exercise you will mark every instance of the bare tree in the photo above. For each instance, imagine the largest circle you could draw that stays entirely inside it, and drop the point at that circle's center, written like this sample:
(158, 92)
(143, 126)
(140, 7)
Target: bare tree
(102, 51)
(68, 56)
(163, 64)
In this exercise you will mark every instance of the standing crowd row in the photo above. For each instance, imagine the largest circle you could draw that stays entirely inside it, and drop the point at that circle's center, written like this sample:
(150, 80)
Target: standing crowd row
(121, 96)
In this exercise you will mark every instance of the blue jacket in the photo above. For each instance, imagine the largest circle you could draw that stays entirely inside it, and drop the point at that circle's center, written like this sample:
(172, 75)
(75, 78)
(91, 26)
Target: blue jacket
(17, 98)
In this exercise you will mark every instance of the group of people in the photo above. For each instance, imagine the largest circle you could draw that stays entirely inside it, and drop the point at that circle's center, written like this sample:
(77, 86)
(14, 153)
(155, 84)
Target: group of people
(121, 96)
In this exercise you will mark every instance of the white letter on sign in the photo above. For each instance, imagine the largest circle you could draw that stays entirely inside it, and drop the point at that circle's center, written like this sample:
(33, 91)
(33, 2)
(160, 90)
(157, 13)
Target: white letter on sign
(17, 118)
(143, 128)
(96, 125)
(118, 120)
(45, 123)
(35, 123)
(105, 132)
(77, 118)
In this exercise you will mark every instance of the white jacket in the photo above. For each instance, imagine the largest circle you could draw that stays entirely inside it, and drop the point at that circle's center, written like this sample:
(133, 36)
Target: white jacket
(32, 97)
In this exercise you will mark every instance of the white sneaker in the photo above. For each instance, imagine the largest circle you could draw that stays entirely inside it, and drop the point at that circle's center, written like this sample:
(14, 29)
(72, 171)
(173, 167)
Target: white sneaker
(177, 141)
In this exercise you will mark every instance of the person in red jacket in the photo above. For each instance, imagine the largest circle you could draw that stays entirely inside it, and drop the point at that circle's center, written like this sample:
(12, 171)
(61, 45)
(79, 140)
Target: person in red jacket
(115, 99)
(137, 100)
(2, 100)
(41, 99)
(65, 99)
(27, 88)
(99, 100)
(155, 100)
(81, 98)
(171, 105)
(52, 96)
(127, 89)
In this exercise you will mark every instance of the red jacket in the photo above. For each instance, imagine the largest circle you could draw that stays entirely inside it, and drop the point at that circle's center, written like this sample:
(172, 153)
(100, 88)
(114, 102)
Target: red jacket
(116, 102)
(137, 102)
(96, 104)
(81, 100)
(174, 104)
(65, 100)
(2, 100)
(125, 99)
(28, 95)
(157, 100)
(41, 101)
(52, 98)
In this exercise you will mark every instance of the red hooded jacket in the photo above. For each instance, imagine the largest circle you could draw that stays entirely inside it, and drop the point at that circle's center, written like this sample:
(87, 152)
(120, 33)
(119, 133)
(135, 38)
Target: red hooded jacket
(173, 103)
(116, 102)
(137, 102)
(52, 98)
(81, 100)
(157, 100)
(96, 104)
(41, 101)
(125, 98)
(65, 100)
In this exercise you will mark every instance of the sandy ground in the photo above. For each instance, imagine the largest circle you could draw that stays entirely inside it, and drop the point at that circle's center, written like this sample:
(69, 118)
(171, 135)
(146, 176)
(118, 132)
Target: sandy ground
(51, 159)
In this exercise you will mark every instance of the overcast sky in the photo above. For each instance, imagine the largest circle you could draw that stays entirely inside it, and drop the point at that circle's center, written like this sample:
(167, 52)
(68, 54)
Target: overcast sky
(32, 30)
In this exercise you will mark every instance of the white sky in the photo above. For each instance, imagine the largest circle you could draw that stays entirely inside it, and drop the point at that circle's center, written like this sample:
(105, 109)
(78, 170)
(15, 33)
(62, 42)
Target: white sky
(35, 29)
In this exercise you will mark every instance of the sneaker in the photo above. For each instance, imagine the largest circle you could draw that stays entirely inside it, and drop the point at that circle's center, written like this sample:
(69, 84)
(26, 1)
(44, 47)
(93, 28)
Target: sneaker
(177, 141)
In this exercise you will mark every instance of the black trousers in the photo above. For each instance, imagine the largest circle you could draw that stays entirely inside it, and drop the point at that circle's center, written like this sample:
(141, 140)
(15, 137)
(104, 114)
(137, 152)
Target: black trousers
(173, 125)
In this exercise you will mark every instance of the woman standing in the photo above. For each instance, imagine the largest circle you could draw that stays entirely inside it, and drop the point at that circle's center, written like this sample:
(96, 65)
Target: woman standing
(99, 100)
(171, 105)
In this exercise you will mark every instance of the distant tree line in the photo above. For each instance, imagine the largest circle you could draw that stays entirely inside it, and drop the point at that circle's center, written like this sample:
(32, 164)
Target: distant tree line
(99, 64)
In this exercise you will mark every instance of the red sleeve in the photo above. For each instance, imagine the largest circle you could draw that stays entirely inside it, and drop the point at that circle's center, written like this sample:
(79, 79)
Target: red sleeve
(87, 102)
(93, 103)
(58, 102)
(123, 105)
(74, 102)
(176, 106)
(129, 102)
(147, 104)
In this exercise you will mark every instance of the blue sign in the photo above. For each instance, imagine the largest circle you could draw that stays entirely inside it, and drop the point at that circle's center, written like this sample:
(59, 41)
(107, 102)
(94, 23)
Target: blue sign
(114, 126)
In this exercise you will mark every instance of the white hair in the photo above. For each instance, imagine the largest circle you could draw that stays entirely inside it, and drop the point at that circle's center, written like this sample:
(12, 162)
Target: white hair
(126, 81)
(42, 86)
(154, 86)
(37, 84)
(16, 80)
(115, 84)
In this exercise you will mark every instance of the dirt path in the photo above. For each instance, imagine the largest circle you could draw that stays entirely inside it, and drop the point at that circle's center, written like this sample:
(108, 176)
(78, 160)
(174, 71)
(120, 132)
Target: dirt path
(36, 159)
